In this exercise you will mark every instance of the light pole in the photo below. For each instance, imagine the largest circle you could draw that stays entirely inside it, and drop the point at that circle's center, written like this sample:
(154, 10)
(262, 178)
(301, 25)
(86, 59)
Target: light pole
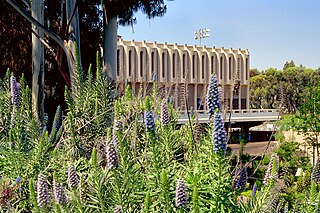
(201, 33)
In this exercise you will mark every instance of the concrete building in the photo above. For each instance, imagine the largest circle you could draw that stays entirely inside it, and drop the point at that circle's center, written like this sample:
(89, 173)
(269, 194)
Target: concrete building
(182, 72)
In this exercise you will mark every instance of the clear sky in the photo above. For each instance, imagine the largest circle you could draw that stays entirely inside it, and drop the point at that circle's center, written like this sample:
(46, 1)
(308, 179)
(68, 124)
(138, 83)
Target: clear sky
(274, 31)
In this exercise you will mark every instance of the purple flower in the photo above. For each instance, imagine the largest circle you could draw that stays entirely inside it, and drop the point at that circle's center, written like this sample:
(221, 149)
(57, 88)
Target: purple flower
(213, 96)
(112, 155)
(15, 92)
(42, 191)
(181, 196)
(59, 194)
(73, 180)
(17, 181)
(272, 170)
(242, 179)
(219, 136)
(118, 209)
(254, 190)
(149, 121)
(165, 117)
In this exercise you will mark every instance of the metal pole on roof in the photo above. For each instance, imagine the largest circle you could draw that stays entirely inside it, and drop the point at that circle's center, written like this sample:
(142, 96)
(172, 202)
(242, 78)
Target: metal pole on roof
(201, 34)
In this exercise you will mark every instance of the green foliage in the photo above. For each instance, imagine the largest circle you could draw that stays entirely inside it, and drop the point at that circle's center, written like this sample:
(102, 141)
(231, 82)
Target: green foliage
(150, 162)
(288, 87)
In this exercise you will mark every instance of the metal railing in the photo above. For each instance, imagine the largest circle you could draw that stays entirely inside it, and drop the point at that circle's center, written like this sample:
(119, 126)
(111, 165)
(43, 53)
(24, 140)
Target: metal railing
(243, 115)
(237, 111)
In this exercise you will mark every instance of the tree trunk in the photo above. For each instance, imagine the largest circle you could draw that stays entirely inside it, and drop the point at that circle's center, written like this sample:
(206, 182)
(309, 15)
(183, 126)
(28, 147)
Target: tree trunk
(37, 62)
(74, 38)
(110, 49)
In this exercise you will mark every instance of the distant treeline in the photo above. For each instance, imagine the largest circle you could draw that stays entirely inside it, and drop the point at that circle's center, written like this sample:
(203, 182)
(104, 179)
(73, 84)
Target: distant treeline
(287, 88)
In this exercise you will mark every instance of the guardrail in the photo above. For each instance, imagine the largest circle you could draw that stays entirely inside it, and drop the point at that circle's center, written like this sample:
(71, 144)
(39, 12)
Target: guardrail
(237, 111)
(243, 115)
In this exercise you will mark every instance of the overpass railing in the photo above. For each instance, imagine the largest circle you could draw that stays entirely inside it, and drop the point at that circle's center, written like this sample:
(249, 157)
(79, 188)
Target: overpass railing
(237, 111)
(243, 115)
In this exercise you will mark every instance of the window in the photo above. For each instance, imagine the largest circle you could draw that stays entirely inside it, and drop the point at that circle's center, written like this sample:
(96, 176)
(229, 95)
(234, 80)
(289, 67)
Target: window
(193, 66)
(130, 62)
(152, 62)
(173, 65)
(230, 67)
(203, 66)
(118, 62)
(247, 68)
(163, 65)
(212, 65)
(141, 63)
(221, 63)
(184, 65)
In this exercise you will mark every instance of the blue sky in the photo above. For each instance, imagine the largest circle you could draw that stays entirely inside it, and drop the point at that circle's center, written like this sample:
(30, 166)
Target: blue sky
(274, 31)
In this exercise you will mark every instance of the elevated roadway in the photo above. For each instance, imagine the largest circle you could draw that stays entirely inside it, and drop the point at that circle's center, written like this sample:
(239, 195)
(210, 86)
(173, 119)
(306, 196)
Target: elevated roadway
(249, 117)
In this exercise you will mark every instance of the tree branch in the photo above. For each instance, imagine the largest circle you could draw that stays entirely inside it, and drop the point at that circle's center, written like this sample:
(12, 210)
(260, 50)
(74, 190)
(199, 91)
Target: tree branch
(26, 3)
(72, 15)
(51, 34)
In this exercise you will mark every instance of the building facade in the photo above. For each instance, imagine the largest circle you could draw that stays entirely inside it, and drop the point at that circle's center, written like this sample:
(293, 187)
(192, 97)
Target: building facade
(182, 72)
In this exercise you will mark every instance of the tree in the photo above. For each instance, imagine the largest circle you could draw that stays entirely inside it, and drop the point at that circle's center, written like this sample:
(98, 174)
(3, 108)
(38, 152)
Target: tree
(308, 119)
(37, 20)
(37, 7)
(15, 40)
(253, 72)
(288, 65)
(123, 10)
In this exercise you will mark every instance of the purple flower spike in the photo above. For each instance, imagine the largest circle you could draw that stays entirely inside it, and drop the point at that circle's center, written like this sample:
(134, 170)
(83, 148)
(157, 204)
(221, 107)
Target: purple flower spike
(219, 136)
(254, 190)
(15, 92)
(165, 117)
(181, 196)
(42, 191)
(149, 121)
(242, 180)
(112, 155)
(17, 181)
(118, 209)
(73, 180)
(213, 96)
(59, 194)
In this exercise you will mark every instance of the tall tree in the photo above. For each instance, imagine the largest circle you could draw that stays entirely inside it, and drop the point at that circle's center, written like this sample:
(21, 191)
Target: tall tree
(37, 7)
(123, 11)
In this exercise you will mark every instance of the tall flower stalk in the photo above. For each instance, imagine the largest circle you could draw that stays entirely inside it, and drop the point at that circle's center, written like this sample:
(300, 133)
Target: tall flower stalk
(219, 136)
(42, 191)
(73, 180)
(181, 196)
(15, 92)
(165, 117)
(59, 194)
(213, 96)
(242, 179)
(112, 155)
(272, 170)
